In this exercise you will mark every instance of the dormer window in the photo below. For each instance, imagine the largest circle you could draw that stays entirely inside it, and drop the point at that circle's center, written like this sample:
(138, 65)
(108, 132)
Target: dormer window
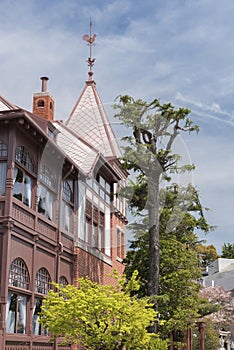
(41, 103)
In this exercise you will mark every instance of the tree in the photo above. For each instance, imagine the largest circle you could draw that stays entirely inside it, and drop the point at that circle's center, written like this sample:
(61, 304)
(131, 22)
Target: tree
(149, 158)
(224, 316)
(178, 298)
(206, 254)
(100, 317)
(228, 250)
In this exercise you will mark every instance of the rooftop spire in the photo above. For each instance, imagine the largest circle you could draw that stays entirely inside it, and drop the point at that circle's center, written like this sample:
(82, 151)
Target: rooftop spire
(90, 39)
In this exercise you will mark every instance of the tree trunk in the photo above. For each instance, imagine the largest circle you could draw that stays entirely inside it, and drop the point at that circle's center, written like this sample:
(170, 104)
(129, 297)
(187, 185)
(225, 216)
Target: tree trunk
(154, 243)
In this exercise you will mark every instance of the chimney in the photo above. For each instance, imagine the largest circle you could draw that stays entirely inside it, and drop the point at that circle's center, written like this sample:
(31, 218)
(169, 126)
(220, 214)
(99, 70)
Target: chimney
(43, 102)
(44, 84)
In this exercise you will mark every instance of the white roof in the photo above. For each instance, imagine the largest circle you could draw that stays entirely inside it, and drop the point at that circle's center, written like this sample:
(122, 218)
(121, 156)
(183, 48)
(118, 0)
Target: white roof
(84, 156)
(89, 121)
(5, 105)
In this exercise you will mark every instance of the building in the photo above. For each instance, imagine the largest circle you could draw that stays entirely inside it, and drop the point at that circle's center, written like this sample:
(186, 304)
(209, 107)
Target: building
(220, 276)
(220, 273)
(59, 216)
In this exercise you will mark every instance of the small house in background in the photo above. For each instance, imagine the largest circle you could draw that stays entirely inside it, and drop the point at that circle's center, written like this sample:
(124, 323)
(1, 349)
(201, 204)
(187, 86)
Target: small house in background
(220, 275)
(59, 216)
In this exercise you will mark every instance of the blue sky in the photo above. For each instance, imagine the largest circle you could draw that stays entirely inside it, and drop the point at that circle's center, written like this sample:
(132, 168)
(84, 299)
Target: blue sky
(179, 50)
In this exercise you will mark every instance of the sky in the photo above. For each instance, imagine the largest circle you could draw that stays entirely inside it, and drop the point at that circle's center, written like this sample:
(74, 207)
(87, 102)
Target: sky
(180, 51)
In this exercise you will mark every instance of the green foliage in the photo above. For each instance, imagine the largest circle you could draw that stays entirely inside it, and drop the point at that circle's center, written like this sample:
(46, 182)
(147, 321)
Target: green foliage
(228, 250)
(206, 254)
(178, 301)
(211, 337)
(99, 317)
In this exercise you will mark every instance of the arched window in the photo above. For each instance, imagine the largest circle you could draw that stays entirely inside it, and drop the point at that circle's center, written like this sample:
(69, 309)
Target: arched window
(43, 281)
(51, 105)
(41, 103)
(63, 281)
(67, 192)
(19, 276)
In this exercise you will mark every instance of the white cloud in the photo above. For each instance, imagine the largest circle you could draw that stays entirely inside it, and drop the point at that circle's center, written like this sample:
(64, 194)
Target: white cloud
(177, 50)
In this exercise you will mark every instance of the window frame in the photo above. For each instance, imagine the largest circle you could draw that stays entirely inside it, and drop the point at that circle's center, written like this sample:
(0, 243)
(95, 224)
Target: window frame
(48, 185)
(40, 283)
(19, 274)
(25, 165)
(67, 205)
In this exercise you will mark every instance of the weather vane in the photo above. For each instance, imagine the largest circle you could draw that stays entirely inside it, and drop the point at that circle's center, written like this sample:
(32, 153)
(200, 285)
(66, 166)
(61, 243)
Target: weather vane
(90, 39)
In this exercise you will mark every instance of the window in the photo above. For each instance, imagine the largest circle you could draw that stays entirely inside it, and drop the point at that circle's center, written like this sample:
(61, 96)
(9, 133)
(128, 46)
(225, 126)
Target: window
(23, 157)
(46, 192)
(94, 227)
(38, 329)
(67, 205)
(3, 166)
(22, 189)
(3, 149)
(101, 187)
(63, 281)
(40, 103)
(43, 281)
(17, 303)
(120, 244)
(16, 313)
(18, 275)
(119, 200)
(42, 286)
(23, 182)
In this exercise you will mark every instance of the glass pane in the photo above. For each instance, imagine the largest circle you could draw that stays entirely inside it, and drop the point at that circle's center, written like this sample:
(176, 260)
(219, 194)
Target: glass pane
(21, 315)
(2, 179)
(102, 181)
(66, 216)
(67, 191)
(18, 182)
(108, 198)
(95, 186)
(102, 194)
(19, 276)
(45, 202)
(107, 187)
(3, 149)
(11, 312)
(23, 156)
(27, 191)
(38, 329)
(43, 281)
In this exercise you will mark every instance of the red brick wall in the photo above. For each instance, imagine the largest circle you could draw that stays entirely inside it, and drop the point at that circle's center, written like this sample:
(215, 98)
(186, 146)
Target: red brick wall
(86, 264)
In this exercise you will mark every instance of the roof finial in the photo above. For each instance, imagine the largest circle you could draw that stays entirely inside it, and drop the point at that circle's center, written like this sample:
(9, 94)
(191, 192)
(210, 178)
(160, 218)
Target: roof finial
(90, 39)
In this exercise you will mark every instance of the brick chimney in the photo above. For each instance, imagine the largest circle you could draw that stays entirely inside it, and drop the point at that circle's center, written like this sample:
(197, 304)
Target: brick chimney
(43, 102)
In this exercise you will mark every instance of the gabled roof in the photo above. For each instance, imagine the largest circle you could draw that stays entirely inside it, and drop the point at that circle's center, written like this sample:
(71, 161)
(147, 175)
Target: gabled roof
(6, 105)
(82, 154)
(89, 121)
